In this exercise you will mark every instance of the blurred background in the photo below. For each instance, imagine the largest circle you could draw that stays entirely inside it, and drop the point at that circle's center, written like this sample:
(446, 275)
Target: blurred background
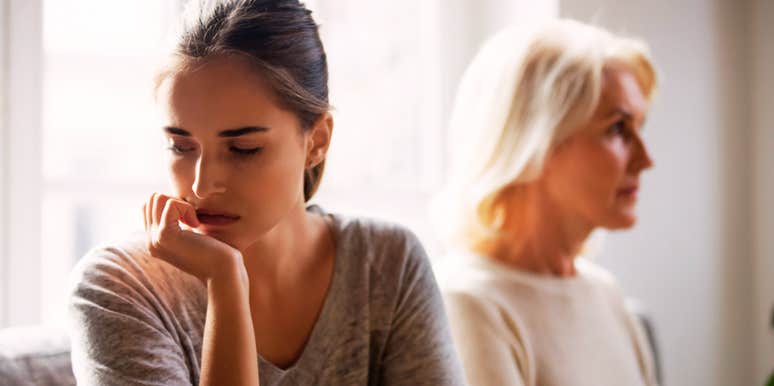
(80, 150)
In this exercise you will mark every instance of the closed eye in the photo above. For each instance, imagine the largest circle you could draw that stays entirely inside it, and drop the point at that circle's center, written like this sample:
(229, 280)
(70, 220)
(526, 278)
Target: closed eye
(180, 149)
(243, 151)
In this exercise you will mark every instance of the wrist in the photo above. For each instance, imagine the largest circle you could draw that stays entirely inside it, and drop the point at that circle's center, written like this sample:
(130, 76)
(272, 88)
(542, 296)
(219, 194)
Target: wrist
(229, 269)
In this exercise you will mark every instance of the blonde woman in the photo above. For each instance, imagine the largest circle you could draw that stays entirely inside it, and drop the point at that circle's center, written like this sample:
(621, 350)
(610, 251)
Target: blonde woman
(547, 147)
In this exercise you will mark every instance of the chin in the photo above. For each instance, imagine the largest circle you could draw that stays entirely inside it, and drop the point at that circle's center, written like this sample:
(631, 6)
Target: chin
(226, 237)
(621, 221)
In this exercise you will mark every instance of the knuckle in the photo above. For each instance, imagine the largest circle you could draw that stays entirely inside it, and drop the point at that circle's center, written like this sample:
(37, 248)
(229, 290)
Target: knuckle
(165, 235)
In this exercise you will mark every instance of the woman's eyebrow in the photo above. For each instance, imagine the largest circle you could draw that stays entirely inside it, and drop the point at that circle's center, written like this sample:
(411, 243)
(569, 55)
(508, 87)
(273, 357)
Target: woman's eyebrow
(225, 133)
(176, 131)
(242, 131)
(620, 111)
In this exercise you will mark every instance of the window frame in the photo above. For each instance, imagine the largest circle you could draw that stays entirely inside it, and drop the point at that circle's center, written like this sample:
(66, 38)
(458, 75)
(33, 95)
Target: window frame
(22, 33)
(3, 163)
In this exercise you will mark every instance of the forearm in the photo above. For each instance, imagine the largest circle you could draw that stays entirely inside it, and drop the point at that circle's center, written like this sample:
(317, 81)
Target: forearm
(229, 356)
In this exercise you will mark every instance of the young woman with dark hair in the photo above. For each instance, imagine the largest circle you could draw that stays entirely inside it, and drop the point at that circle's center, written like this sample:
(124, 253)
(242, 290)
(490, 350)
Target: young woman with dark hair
(235, 275)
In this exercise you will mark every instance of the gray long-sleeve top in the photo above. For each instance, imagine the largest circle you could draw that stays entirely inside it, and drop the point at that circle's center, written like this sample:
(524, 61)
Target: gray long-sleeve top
(136, 320)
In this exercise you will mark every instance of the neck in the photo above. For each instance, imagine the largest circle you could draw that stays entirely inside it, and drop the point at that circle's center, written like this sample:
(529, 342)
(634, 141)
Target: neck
(541, 237)
(286, 251)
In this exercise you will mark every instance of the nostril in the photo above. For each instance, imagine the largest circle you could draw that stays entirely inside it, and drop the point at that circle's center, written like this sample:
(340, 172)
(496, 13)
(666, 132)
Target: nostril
(202, 189)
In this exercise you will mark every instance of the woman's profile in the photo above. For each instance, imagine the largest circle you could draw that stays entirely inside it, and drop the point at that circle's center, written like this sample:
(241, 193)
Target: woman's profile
(548, 125)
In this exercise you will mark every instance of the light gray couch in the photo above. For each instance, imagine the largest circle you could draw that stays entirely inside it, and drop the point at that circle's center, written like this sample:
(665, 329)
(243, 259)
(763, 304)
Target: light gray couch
(39, 356)
(35, 356)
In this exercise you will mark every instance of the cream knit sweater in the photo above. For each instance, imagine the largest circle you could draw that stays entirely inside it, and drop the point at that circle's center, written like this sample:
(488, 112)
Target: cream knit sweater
(513, 328)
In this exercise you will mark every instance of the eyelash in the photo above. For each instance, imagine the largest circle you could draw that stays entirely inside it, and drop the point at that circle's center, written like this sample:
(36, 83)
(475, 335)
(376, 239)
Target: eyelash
(618, 128)
(178, 150)
(238, 151)
(245, 152)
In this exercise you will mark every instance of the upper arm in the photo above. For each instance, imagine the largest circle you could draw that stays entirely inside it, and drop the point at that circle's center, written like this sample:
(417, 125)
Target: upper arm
(117, 339)
(491, 353)
(419, 350)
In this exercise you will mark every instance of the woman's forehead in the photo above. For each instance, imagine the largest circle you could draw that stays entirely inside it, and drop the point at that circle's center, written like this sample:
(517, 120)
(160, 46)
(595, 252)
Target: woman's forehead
(230, 77)
(220, 95)
(621, 93)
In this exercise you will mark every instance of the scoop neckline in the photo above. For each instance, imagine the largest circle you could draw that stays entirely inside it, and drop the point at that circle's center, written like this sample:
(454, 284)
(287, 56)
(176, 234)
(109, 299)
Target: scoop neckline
(312, 346)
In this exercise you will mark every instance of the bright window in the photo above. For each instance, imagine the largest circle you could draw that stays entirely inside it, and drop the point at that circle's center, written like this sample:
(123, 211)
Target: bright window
(102, 154)
(393, 67)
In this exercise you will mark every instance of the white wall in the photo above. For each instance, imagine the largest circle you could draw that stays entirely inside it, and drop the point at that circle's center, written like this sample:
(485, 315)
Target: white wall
(465, 25)
(763, 180)
(690, 257)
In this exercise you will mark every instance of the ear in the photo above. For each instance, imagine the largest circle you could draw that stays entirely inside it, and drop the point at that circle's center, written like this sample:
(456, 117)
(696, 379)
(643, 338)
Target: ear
(318, 139)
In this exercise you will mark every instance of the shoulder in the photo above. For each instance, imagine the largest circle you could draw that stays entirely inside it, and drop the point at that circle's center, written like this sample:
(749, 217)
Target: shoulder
(110, 264)
(597, 276)
(125, 306)
(483, 324)
(379, 243)
(607, 287)
(123, 274)
(470, 291)
(469, 304)
(464, 276)
(116, 262)
(390, 262)
(377, 232)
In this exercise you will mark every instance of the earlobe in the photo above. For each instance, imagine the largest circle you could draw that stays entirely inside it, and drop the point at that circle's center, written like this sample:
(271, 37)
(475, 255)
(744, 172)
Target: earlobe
(316, 156)
(319, 140)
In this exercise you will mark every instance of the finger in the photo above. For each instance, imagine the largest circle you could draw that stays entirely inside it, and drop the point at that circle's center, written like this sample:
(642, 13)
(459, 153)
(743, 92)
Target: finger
(160, 202)
(170, 217)
(145, 215)
(188, 215)
(179, 210)
(148, 211)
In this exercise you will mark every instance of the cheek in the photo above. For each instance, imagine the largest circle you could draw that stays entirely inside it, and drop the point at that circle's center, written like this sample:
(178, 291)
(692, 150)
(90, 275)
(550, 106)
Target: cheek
(605, 169)
(180, 176)
(267, 195)
(586, 174)
(273, 183)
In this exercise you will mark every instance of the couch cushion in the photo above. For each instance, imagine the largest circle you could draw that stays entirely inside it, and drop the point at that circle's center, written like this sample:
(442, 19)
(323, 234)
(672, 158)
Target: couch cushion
(35, 356)
(10, 373)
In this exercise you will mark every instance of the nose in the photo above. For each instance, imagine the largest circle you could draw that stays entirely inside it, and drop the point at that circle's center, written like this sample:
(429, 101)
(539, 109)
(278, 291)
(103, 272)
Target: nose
(641, 159)
(209, 178)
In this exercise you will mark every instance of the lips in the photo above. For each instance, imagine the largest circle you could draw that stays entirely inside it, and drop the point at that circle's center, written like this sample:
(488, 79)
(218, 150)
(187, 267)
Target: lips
(629, 191)
(215, 217)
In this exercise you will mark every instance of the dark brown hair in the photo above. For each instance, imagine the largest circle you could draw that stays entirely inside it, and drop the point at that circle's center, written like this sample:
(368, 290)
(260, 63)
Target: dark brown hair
(281, 41)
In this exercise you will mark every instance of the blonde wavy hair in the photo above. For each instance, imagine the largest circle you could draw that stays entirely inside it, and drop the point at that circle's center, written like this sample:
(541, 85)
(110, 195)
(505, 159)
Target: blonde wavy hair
(526, 90)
